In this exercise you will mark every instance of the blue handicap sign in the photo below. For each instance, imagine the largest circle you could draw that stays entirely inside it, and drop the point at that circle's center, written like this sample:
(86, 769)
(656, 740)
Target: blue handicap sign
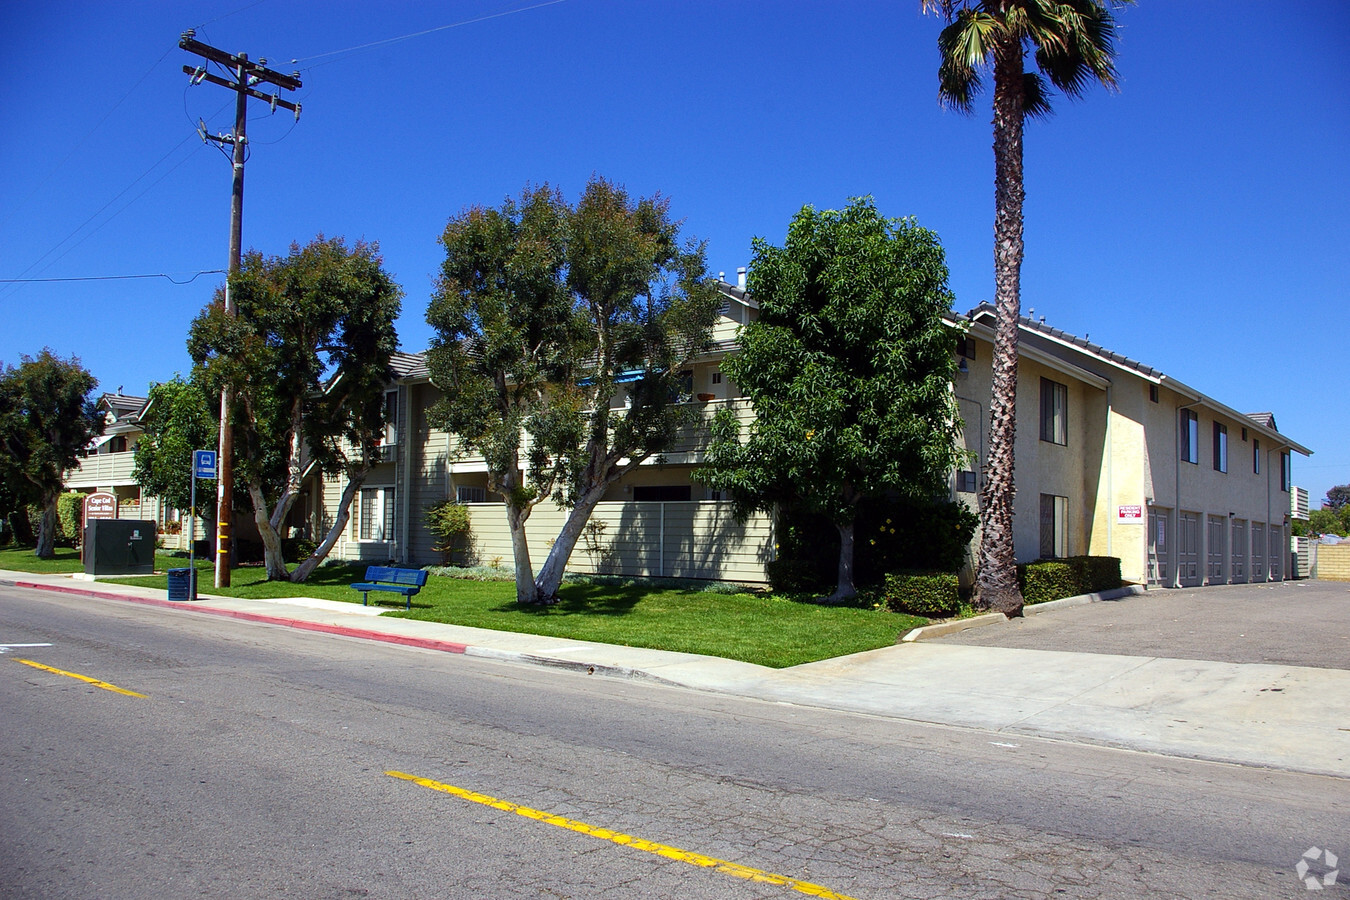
(204, 463)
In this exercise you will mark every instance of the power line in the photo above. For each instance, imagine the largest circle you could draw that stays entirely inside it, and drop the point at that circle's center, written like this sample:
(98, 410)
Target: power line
(405, 37)
(228, 14)
(194, 277)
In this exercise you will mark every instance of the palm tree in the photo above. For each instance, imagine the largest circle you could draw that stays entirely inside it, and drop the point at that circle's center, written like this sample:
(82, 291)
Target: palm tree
(1073, 44)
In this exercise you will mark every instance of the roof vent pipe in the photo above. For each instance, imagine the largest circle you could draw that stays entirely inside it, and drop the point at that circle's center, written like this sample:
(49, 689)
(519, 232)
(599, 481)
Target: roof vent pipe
(740, 277)
(722, 277)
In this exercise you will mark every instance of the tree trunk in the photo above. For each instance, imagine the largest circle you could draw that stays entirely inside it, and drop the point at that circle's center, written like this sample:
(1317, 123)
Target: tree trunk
(272, 555)
(354, 482)
(551, 575)
(526, 592)
(47, 525)
(996, 582)
(845, 590)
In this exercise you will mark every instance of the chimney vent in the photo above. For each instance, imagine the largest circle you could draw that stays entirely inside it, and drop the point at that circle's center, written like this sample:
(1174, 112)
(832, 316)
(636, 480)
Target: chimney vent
(740, 277)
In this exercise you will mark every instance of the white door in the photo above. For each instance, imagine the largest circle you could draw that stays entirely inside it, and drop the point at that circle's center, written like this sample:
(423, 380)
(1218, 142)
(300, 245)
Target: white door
(1188, 549)
(1217, 555)
(1258, 552)
(1239, 551)
(1157, 545)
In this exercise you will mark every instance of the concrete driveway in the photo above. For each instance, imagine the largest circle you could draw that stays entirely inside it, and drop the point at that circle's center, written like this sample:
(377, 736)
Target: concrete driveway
(1294, 623)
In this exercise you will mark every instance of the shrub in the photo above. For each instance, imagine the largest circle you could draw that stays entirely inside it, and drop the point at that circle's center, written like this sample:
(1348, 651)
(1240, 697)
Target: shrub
(930, 594)
(297, 549)
(794, 576)
(448, 521)
(1054, 579)
(70, 517)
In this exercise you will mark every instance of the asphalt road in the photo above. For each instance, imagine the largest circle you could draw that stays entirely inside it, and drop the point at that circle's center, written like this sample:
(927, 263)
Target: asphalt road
(1294, 623)
(255, 765)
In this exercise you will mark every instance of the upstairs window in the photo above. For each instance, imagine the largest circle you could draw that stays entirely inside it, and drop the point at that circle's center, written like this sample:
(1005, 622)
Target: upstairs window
(1286, 475)
(1190, 436)
(1256, 456)
(1220, 447)
(391, 417)
(1054, 412)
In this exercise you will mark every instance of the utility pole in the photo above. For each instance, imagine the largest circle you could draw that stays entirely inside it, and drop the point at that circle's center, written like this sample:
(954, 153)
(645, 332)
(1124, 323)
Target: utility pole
(245, 74)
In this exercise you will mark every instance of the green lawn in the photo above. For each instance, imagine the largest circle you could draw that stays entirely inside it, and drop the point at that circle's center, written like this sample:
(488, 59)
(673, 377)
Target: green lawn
(754, 627)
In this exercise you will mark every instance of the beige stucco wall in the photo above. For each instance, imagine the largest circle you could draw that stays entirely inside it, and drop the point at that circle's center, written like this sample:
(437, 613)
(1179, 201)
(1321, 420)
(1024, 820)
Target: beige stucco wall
(1333, 562)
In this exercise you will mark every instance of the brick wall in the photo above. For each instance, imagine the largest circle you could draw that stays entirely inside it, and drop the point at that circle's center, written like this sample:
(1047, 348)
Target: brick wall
(1333, 562)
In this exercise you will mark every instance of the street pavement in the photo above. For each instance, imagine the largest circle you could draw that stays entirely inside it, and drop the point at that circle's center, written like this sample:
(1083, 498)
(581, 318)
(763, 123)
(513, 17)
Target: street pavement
(1071, 677)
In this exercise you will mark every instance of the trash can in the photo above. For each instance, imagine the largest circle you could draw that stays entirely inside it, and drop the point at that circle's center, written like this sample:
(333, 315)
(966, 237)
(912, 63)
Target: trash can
(182, 584)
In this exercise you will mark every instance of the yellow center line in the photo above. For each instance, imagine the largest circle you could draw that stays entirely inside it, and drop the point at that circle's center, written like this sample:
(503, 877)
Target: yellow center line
(85, 678)
(627, 840)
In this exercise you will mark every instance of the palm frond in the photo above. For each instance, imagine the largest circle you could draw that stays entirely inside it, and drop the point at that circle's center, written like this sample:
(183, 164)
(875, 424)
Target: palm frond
(966, 46)
(1035, 96)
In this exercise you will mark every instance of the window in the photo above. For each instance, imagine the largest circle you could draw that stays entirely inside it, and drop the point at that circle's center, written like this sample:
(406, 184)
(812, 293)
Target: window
(1285, 474)
(375, 514)
(468, 493)
(967, 483)
(1190, 436)
(1220, 447)
(391, 417)
(1054, 412)
(1256, 456)
(118, 444)
(1244, 435)
(1054, 522)
(717, 378)
(1153, 392)
(965, 347)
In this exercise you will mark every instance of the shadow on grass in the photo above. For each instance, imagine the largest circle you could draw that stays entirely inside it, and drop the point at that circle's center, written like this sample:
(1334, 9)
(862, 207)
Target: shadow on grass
(586, 600)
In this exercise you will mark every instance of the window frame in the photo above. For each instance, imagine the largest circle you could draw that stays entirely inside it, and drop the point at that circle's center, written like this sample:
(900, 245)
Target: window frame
(1190, 437)
(1256, 456)
(1286, 471)
(1220, 447)
(361, 519)
(1055, 515)
(1054, 412)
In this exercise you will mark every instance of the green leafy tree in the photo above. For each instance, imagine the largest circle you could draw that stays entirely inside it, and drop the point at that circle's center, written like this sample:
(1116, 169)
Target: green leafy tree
(547, 314)
(1327, 521)
(849, 369)
(178, 419)
(308, 358)
(47, 415)
(1072, 43)
(1338, 498)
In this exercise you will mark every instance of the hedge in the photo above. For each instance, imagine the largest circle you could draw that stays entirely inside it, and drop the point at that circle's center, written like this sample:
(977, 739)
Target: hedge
(70, 516)
(930, 594)
(1054, 579)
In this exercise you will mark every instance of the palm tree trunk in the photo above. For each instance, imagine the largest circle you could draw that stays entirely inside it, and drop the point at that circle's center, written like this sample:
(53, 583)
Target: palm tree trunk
(996, 582)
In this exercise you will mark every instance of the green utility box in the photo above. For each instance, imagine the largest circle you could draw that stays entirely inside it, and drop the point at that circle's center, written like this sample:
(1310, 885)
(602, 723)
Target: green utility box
(119, 547)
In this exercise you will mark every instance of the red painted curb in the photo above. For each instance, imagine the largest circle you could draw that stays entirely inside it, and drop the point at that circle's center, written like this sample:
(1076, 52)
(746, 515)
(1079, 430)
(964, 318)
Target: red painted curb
(342, 630)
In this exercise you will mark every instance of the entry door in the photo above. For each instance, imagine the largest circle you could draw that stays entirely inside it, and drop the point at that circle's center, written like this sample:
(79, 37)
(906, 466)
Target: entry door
(1258, 552)
(1217, 554)
(1278, 549)
(1157, 545)
(1188, 549)
(1239, 551)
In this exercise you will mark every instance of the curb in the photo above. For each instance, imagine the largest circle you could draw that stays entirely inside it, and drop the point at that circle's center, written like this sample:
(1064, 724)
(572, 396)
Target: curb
(301, 624)
(925, 632)
(1083, 599)
(953, 626)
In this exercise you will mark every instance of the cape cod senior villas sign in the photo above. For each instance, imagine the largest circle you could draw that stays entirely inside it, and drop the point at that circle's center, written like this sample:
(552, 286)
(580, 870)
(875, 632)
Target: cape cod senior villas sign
(1130, 513)
(100, 505)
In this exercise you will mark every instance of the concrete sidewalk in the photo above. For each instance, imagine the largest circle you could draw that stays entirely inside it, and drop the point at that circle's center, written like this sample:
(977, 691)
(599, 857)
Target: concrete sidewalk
(1287, 717)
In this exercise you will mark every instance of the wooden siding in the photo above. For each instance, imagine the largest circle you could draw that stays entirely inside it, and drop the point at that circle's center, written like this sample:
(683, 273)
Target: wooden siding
(693, 539)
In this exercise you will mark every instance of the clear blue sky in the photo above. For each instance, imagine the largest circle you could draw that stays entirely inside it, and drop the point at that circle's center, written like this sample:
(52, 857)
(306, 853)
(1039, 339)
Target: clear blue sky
(1198, 220)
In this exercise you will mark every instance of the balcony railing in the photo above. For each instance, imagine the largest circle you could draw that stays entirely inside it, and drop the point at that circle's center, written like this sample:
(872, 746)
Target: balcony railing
(102, 469)
(690, 439)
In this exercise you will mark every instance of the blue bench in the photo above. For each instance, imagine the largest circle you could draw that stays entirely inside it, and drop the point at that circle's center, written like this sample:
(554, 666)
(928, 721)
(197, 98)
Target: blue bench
(396, 581)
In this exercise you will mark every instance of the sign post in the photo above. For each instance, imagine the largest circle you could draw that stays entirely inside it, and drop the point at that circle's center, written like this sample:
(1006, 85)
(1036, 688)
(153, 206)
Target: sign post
(203, 466)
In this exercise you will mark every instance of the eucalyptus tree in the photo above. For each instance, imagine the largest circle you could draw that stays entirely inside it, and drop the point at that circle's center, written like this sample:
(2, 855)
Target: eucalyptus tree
(1073, 45)
(308, 358)
(47, 415)
(849, 369)
(562, 335)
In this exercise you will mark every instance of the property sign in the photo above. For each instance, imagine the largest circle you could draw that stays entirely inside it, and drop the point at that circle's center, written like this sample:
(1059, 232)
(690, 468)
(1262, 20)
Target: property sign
(1130, 513)
(203, 464)
(100, 505)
